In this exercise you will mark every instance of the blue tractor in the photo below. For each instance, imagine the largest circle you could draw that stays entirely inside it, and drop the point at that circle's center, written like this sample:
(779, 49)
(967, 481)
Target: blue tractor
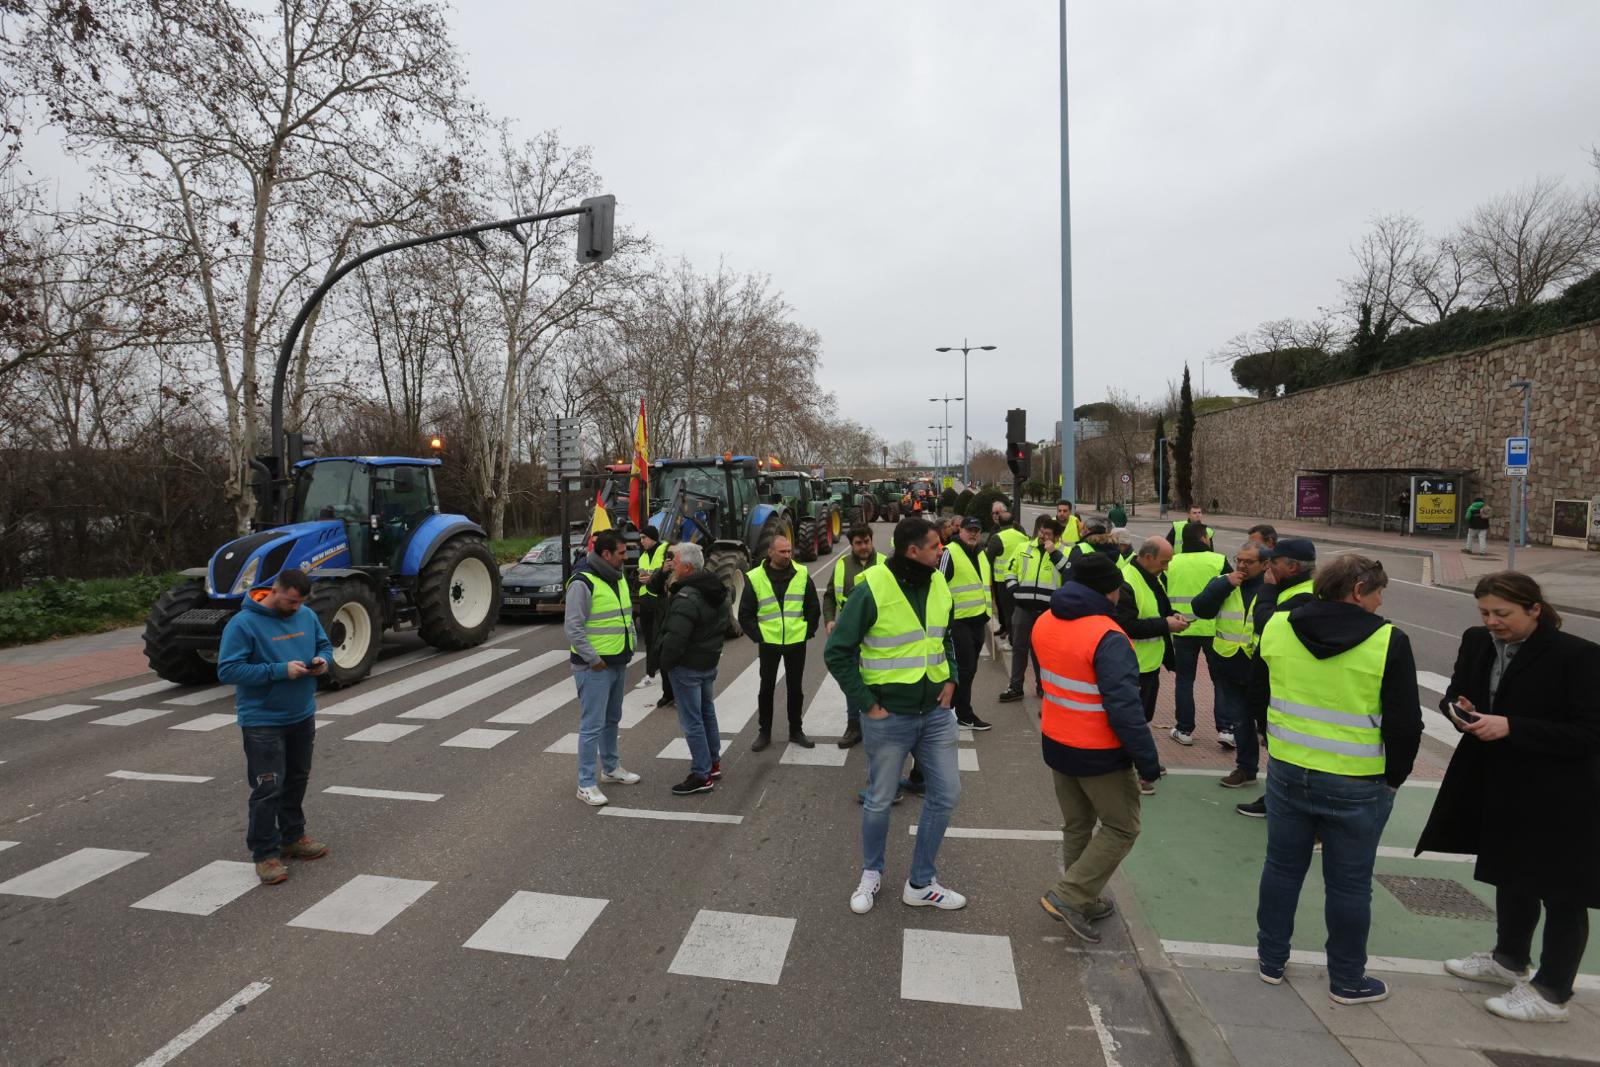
(369, 532)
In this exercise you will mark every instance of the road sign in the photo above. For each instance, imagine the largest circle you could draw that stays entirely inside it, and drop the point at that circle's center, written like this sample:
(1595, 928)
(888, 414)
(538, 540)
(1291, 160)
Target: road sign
(1126, 479)
(1517, 457)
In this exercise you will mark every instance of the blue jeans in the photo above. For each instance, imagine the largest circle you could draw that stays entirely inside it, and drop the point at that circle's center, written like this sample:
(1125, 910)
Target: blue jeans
(697, 714)
(600, 694)
(932, 739)
(1231, 698)
(1188, 650)
(1347, 815)
(277, 763)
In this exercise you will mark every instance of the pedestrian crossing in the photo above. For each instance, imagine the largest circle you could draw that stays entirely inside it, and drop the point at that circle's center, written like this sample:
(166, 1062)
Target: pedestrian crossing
(940, 966)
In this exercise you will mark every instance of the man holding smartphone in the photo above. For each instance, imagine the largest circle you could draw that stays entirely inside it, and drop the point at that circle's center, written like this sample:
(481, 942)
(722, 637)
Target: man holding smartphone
(272, 652)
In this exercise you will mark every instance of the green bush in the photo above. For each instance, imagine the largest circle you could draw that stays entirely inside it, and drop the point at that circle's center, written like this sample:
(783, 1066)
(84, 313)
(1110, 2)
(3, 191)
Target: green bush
(983, 503)
(57, 608)
(511, 549)
(964, 502)
(947, 500)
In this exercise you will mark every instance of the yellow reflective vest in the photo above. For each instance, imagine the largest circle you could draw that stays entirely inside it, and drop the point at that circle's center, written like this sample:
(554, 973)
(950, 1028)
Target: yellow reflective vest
(1235, 628)
(1149, 650)
(651, 561)
(1325, 714)
(782, 622)
(899, 649)
(609, 626)
(1187, 575)
(1177, 538)
(970, 586)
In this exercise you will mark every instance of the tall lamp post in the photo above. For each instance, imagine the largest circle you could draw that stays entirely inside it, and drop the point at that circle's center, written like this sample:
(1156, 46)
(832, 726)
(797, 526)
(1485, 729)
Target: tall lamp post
(947, 398)
(941, 446)
(964, 348)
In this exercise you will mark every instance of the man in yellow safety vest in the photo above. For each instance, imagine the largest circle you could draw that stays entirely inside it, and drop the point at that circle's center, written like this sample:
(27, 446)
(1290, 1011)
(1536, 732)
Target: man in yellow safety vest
(845, 576)
(1190, 571)
(966, 569)
(600, 637)
(1196, 518)
(780, 613)
(1228, 601)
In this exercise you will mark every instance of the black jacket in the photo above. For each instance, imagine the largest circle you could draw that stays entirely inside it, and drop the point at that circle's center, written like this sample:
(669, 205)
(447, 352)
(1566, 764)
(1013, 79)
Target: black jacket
(1127, 612)
(812, 608)
(1328, 628)
(1528, 805)
(692, 627)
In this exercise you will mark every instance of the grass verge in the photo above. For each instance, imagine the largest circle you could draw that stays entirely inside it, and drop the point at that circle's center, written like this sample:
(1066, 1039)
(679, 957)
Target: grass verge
(511, 549)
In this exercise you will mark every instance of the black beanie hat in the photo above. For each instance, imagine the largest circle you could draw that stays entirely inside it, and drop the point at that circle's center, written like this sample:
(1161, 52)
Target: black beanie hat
(1098, 572)
(651, 532)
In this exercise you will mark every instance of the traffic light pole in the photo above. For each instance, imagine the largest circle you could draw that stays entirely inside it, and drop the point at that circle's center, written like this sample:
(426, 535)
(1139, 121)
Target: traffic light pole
(1069, 458)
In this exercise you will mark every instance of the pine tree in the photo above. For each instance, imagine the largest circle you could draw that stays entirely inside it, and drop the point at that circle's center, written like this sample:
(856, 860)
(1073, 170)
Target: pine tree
(1160, 466)
(1183, 447)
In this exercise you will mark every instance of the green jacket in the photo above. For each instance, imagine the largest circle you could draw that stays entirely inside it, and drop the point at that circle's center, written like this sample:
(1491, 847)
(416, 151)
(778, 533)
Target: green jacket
(842, 653)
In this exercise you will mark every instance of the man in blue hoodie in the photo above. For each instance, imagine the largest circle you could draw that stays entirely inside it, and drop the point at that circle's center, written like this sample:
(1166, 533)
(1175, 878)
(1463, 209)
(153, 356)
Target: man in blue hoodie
(272, 652)
(1094, 733)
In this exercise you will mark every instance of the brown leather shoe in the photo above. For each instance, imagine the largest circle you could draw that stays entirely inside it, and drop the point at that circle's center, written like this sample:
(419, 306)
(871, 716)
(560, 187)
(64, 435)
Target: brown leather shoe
(304, 849)
(272, 871)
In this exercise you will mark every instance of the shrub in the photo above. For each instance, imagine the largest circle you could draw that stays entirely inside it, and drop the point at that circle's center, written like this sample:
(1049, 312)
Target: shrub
(58, 607)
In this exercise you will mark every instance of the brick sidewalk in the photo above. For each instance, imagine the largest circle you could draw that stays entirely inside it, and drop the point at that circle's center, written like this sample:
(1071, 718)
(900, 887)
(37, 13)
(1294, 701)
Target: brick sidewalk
(32, 672)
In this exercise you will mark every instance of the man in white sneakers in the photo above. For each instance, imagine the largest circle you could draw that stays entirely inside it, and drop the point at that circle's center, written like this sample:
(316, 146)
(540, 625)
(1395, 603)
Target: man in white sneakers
(599, 629)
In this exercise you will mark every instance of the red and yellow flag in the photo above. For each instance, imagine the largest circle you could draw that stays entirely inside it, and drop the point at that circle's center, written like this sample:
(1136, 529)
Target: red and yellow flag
(599, 520)
(639, 474)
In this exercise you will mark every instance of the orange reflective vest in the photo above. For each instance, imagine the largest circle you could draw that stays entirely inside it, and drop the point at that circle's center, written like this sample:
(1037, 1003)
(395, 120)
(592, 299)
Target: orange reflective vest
(1072, 713)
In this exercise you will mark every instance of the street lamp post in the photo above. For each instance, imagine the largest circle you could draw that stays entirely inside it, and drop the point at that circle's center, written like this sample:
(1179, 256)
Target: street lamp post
(964, 348)
(947, 398)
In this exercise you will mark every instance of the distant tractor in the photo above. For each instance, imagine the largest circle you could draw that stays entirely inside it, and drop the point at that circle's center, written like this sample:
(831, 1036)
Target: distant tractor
(369, 531)
(804, 497)
(852, 501)
(887, 494)
(716, 502)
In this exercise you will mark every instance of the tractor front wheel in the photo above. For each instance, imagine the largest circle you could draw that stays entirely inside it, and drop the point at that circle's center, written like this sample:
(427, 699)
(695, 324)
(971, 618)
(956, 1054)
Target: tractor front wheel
(353, 620)
(186, 666)
(458, 594)
(730, 567)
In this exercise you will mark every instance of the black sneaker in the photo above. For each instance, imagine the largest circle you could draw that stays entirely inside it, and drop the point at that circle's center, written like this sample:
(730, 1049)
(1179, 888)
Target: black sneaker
(664, 701)
(691, 785)
(1011, 696)
(972, 722)
(852, 736)
(1256, 809)
(762, 741)
(798, 737)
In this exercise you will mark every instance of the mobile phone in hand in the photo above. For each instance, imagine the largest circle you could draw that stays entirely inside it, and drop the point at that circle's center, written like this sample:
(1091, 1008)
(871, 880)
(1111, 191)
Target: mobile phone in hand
(319, 666)
(1461, 715)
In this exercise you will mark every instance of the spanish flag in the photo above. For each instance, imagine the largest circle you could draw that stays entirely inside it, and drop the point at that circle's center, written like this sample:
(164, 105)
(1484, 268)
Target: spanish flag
(600, 520)
(639, 474)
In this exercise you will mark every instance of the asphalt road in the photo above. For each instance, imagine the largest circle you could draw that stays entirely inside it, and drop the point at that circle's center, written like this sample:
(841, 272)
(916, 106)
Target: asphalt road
(489, 917)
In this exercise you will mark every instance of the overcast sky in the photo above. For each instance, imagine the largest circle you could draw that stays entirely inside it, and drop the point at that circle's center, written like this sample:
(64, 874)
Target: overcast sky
(893, 165)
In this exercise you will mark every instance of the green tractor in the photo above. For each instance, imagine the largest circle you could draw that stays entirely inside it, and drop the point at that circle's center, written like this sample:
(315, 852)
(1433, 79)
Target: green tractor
(887, 494)
(816, 525)
(852, 501)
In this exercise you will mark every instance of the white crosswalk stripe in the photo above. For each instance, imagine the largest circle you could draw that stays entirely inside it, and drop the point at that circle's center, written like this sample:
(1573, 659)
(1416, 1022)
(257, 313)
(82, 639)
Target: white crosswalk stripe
(60, 711)
(530, 710)
(137, 715)
(450, 703)
(678, 748)
(735, 947)
(824, 755)
(72, 871)
(204, 891)
(736, 704)
(383, 732)
(363, 698)
(8, 844)
(538, 924)
(952, 968)
(382, 794)
(1438, 683)
(825, 717)
(477, 738)
(967, 759)
(139, 692)
(204, 696)
(363, 905)
(143, 776)
(214, 721)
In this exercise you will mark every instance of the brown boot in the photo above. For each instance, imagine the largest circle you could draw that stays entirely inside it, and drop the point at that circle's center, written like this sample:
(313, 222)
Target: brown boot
(304, 849)
(272, 871)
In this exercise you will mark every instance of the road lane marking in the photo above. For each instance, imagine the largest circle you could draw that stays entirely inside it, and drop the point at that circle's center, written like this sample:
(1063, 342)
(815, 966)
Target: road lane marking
(204, 696)
(383, 732)
(365, 699)
(214, 721)
(138, 692)
(1441, 729)
(565, 745)
(381, 794)
(8, 844)
(672, 816)
(128, 718)
(736, 705)
(998, 835)
(1102, 1033)
(1396, 964)
(734, 947)
(385, 666)
(143, 776)
(966, 759)
(72, 871)
(678, 748)
(477, 738)
(483, 688)
(213, 1019)
(363, 905)
(823, 755)
(530, 710)
(951, 968)
(60, 711)
(204, 891)
(825, 717)
(538, 924)
(1435, 682)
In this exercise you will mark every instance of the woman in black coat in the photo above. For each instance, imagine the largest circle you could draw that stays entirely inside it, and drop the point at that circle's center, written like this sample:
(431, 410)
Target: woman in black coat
(1522, 791)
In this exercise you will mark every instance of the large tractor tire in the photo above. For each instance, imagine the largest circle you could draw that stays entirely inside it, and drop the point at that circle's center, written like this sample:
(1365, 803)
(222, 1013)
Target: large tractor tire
(730, 567)
(778, 525)
(835, 526)
(186, 666)
(353, 619)
(869, 510)
(458, 594)
(808, 540)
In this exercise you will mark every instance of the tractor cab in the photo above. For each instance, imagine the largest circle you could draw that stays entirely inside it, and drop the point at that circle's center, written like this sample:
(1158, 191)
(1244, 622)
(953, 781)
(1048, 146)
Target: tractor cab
(380, 500)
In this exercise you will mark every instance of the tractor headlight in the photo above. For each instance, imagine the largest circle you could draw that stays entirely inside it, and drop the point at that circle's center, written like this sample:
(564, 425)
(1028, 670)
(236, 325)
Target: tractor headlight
(247, 577)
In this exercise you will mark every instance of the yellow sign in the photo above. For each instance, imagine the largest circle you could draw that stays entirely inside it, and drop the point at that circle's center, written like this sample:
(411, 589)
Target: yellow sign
(1436, 509)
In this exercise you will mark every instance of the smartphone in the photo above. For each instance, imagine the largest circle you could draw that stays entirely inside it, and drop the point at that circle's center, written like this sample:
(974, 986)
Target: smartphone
(1462, 715)
(318, 665)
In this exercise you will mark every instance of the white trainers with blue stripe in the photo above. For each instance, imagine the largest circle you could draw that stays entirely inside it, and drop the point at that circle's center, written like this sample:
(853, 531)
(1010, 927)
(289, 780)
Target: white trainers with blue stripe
(933, 895)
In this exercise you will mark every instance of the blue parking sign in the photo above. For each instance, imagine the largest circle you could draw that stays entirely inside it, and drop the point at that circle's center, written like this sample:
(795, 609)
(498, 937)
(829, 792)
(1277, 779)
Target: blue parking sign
(1517, 455)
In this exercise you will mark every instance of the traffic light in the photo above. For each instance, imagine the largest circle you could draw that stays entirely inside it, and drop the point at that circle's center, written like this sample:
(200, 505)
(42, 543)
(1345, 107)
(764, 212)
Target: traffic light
(594, 228)
(1019, 454)
(1017, 424)
(299, 447)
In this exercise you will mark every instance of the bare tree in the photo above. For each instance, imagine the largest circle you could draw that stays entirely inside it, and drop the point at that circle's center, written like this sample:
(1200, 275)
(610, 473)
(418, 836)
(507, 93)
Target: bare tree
(1389, 260)
(1523, 244)
(903, 454)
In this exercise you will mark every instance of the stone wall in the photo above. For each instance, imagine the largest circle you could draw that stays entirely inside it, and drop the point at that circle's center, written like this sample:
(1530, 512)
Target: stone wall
(1452, 413)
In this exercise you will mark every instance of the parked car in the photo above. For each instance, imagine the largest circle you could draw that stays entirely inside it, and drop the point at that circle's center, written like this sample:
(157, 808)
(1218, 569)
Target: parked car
(532, 585)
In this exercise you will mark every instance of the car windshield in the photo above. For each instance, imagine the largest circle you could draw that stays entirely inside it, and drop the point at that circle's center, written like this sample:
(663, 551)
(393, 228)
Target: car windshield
(547, 551)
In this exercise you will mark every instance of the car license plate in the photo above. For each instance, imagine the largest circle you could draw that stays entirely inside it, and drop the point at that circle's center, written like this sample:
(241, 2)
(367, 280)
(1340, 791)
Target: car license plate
(517, 600)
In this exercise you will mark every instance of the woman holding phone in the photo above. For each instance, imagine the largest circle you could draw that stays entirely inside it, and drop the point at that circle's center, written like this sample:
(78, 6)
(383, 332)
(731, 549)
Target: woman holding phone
(1522, 792)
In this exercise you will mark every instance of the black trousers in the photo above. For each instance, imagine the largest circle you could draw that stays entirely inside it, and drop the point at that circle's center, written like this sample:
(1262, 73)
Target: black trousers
(968, 636)
(1003, 606)
(1566, 935)
(793, 658)
(645, 620)
(277, 762)
(1149, 689)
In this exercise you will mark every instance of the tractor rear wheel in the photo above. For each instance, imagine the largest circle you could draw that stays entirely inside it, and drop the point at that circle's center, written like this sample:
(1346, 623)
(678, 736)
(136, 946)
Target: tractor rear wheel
(807, 538)
(186, 666)
(353, 620)
(730, 567)
(869, 510)
(835, 526)
(458, 594)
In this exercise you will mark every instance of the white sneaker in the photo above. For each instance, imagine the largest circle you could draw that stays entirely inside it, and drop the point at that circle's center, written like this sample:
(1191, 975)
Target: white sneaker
(1005, 644)
(861, 899)
(1181, 737)
(1225, 739)
(933, 895)
(620, 776)
(1483, 967)
(592, 796)
(1524, 1004)
(646, 682)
